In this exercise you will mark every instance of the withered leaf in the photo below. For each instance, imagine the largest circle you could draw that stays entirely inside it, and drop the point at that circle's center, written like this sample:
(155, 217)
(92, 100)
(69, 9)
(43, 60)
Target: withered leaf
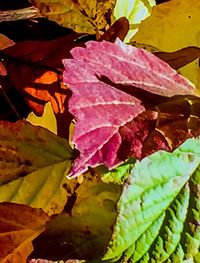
(19, 225)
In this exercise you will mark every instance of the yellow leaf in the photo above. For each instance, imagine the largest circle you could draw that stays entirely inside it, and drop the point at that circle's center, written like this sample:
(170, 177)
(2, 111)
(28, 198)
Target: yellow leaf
(173, 25)
(46, 188)
(47, 120)
(82, 16)
(135, 11)
(19, 225)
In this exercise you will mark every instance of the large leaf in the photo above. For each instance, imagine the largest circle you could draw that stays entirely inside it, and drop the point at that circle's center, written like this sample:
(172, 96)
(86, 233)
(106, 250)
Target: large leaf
(177, 20)
(19, 225)
(81, 16)
(158, 215)
(100, 76)
(33, 163)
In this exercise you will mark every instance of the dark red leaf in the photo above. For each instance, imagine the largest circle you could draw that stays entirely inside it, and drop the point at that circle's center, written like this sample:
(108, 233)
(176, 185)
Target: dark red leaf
(119, 29)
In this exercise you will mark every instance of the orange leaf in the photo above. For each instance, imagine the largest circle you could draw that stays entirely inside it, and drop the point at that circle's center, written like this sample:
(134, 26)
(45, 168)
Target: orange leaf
(19, 225)
(35, 68)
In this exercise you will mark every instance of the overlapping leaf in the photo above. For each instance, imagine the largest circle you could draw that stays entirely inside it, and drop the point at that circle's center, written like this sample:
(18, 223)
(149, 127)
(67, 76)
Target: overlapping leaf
(158, 210)
(82, 16)
(177, 20)
(135, 11)
(33, 163)
(102, 77)
(35, 69)
(19, 225)
(84, 230)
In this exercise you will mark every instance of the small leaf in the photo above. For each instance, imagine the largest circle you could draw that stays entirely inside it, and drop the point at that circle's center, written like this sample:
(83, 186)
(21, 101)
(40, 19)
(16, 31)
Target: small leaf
(46, 188)
(5, 42)
(35, 69)
(20, 224)
(119, 30)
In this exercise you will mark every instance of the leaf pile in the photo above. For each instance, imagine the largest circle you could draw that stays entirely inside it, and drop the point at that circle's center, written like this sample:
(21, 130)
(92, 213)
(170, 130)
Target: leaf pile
(134, 117)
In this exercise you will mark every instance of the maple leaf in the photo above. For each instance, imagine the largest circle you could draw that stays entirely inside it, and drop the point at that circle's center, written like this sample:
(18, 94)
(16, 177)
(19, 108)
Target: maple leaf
(100, 76)
(19, 225)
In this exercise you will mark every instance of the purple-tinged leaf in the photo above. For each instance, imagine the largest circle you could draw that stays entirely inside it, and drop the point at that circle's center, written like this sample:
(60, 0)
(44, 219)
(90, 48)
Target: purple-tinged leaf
(128, 65)
(100, 77)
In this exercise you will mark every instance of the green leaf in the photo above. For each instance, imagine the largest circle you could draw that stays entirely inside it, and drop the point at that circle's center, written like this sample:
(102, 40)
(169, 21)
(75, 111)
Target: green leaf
(44, 188)
(154, 207)
(33, 167)
(117, 175)
(25, 148)
(84, 231)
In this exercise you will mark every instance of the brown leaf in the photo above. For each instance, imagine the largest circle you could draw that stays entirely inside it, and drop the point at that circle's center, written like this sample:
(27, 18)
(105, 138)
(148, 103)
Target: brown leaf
(5, 42)
(180, 57)
(19, 225)
(119, 29)
(35, 69)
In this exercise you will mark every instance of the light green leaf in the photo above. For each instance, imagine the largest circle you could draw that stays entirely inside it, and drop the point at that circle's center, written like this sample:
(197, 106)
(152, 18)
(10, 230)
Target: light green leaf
(117, 175)
(44, 188)
(135, 11)
(156, 187)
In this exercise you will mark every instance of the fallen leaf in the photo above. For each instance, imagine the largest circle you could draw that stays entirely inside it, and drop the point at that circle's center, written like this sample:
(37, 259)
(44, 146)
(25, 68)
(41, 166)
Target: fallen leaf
(99, 77)
(81, 16)
(19, 226)
(35, 69)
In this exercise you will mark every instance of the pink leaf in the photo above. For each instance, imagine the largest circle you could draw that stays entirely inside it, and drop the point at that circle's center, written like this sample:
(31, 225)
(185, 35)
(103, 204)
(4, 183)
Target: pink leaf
(98, 75)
